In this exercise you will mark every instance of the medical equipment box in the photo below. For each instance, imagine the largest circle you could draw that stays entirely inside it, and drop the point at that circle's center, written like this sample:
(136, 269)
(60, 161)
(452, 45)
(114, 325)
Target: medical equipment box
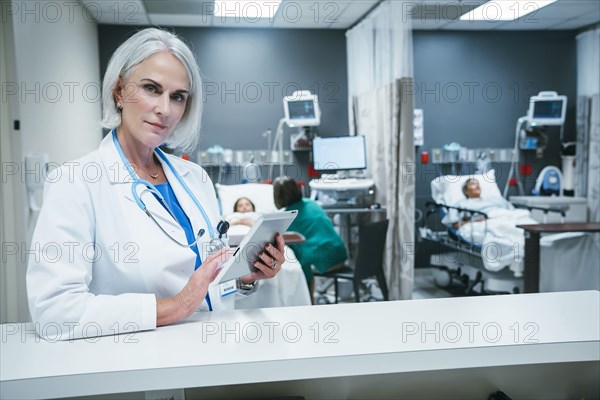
(349, 192)
(577, 211)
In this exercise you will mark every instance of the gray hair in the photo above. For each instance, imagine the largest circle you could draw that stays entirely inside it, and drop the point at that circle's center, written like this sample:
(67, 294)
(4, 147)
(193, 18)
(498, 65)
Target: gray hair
(135, 50)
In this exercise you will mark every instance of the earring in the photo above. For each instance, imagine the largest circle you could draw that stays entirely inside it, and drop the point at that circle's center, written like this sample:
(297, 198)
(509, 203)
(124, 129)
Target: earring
(119, 106)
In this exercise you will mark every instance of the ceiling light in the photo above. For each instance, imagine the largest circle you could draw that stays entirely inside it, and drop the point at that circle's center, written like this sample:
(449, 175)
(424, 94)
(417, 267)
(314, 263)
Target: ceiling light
(505, 10)
(247, 9)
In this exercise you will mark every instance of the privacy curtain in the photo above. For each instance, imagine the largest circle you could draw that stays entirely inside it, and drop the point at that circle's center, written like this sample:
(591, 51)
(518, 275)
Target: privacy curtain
(588, 121)
(381, 105)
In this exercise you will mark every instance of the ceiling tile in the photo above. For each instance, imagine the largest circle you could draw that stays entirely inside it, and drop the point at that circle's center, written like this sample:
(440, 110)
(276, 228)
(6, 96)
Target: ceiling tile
(586, 5)
(577, 23)
(473, 25)
(331, 14)
(557, 14)
(118, 12)
(353, 12)
(318, 13)
(181, 7)
(302, 24)
(525, 25)
(422, 25)
(439, 12)
(229, 22)
(181, 20)
(565, 10)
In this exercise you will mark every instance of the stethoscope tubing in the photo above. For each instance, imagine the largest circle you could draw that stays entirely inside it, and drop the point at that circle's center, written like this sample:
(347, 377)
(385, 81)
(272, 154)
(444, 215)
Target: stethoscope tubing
(151, 188)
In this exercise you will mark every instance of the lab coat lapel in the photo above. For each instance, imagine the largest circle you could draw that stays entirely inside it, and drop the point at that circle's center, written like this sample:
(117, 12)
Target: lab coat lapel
(118, 174)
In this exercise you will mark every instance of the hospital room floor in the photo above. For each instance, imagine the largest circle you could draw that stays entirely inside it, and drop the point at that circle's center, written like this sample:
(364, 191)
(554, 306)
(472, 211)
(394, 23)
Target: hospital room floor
(424, 288)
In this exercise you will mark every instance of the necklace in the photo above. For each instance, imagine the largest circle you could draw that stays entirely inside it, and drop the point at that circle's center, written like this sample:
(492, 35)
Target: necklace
(153, 176)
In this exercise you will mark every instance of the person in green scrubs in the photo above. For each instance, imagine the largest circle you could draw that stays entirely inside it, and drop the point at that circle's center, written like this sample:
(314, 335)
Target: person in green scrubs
(323, 249)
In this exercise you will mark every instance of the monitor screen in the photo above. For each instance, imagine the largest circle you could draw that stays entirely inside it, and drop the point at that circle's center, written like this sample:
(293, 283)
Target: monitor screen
(303, 109)
(548, 109)
(339, 153)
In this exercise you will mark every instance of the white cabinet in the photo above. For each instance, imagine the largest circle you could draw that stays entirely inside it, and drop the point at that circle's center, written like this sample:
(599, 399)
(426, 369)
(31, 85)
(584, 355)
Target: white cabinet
(577, 211)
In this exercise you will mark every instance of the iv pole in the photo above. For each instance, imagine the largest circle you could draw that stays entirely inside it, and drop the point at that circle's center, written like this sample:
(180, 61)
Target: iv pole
(514, 167)
(278, 145)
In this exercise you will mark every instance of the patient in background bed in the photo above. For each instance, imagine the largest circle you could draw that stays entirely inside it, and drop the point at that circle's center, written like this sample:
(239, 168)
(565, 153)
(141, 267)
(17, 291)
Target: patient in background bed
(241, 221)
(498, 234)
(244, 217)
(473, 201)
(244, 213)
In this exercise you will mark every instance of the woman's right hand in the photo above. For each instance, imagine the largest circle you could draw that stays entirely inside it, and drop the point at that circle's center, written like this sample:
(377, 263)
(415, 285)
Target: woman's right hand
(187, 301)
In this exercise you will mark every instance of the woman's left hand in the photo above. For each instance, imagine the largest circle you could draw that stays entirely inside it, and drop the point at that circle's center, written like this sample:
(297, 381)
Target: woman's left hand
(269, 262)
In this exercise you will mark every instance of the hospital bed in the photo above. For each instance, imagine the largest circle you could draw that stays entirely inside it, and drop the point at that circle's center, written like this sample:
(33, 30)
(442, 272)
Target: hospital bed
(474, 258)
(288, 287)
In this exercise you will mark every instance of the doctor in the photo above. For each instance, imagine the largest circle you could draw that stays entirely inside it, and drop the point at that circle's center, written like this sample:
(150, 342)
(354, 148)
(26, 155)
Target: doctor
(128, 238)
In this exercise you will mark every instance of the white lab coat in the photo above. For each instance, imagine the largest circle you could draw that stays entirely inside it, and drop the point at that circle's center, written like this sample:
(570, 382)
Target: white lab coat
(98, 262)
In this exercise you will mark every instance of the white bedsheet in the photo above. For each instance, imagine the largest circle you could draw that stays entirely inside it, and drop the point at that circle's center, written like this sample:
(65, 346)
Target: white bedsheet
(503, 244)
(288, 288)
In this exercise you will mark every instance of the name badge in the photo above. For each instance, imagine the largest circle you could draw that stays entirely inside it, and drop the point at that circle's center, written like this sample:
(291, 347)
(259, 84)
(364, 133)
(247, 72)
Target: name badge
(228, 288)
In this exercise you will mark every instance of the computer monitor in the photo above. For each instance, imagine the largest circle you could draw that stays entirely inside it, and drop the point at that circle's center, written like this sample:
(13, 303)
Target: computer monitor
(339, 153)
(302, 109)
(547, 108)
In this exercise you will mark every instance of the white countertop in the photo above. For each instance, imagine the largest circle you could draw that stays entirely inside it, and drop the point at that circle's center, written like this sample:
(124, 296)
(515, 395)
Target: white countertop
(267, 345)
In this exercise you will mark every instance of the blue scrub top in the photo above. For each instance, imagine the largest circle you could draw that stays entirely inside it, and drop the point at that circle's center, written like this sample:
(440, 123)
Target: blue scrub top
(167, 192)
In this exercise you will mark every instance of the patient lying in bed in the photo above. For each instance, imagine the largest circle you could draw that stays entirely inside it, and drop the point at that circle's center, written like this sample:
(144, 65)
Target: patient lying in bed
(244, 213)
(502, 242)
(243, 217)
(474, 201)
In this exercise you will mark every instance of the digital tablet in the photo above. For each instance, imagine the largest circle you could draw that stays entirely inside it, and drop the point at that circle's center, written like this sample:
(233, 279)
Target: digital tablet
(263, 231)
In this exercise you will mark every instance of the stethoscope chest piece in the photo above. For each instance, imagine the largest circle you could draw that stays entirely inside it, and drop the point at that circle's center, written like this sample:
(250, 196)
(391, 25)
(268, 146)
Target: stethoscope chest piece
(217, 244)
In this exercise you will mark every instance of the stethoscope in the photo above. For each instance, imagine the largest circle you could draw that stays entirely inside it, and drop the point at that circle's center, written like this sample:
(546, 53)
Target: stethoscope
(216, 236)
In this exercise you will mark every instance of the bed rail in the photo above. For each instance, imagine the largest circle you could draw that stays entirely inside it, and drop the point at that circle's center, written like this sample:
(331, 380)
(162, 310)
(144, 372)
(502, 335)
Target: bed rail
(468, 214)
(433, 207)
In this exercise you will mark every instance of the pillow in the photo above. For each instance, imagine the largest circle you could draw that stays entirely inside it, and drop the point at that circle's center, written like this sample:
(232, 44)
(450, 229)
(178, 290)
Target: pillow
(259, 193)
(447, 189)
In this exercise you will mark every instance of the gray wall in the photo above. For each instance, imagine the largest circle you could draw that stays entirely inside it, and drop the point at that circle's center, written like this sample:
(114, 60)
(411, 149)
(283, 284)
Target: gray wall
(247, 72)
